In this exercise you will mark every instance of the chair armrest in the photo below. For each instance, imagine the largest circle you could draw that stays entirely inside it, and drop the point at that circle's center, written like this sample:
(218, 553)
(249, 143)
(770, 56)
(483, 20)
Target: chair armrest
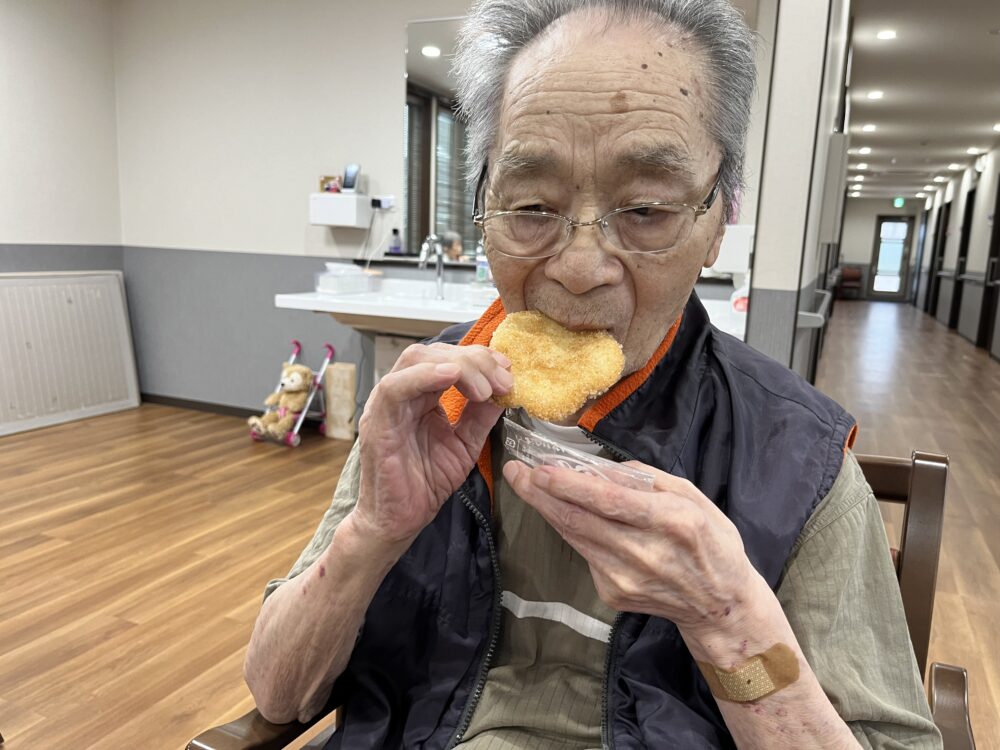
(950, 706)
(252, 732)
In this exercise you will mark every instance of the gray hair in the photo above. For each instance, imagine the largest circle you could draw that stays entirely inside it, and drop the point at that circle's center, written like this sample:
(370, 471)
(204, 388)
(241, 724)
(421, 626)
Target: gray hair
(496, 30)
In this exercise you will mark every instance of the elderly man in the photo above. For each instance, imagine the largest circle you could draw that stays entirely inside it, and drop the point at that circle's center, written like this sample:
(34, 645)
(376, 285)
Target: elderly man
(454, 597)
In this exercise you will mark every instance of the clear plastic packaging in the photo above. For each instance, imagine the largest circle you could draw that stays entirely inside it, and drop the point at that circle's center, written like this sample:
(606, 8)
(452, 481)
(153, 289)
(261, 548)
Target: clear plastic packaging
(537, 450)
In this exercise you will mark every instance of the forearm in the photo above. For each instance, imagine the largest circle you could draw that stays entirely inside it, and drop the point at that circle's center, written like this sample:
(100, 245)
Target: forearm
(306, 630)
(799, 715)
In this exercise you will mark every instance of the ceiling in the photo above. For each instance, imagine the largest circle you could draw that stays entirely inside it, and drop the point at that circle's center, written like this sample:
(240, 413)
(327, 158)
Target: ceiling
(941, 78)
(431, 72)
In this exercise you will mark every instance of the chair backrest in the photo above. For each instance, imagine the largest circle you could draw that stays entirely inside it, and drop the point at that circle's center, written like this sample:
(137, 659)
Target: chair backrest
(850, 274)
(919, 484)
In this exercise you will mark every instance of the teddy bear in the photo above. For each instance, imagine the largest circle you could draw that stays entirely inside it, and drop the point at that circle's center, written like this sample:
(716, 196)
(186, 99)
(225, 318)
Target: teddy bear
(290, 400)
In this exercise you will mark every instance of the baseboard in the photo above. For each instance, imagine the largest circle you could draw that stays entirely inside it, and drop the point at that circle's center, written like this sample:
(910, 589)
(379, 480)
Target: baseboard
(183, 403)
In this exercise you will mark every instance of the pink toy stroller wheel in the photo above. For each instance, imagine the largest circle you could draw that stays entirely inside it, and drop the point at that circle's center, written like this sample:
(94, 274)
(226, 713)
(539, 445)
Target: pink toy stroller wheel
(292, 439)
(256, 436)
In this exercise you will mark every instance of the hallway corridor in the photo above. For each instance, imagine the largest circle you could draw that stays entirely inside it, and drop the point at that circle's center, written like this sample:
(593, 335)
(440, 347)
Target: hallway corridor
(913, 384)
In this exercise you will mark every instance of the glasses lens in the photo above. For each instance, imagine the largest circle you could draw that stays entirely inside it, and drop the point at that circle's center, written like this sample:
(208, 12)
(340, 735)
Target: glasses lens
(525, 234)
(649, 229)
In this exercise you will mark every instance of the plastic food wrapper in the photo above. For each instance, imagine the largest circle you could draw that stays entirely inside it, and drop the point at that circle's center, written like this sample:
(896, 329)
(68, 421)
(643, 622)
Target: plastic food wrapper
(536, 450)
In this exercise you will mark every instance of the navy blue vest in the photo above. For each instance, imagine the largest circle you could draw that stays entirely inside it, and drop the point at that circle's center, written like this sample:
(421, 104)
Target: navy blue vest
(758, 440)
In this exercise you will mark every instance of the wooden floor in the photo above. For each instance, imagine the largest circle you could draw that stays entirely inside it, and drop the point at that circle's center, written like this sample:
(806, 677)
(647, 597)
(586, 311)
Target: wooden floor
(913, 384)
(134, 548)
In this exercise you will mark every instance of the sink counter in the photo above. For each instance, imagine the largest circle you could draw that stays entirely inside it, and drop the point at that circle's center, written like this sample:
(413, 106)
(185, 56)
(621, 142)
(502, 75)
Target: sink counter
(402, 307)
(406, 307)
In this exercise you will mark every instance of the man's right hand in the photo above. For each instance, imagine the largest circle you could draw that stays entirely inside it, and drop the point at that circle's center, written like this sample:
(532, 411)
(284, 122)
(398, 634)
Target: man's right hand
(412, 457)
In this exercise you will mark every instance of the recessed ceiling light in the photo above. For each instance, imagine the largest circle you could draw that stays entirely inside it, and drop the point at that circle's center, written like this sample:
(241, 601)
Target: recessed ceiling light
(921, 195)
(869, 128)
(876, 94)
(863, 165)
(940, 179)
(974, 151)
(864, 151)
(886, 34)
(855, 195)
(955, 167)
(859, 178)
(430, 51)
(997, 127)
(929, 187)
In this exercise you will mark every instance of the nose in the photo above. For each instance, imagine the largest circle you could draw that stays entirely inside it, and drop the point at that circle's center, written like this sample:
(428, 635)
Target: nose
(586, 263)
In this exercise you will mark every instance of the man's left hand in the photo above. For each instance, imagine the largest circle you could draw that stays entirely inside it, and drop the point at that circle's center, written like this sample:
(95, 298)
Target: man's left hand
(669, 552)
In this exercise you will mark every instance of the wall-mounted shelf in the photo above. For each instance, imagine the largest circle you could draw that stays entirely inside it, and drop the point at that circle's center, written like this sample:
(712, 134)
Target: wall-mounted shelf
(340, 210)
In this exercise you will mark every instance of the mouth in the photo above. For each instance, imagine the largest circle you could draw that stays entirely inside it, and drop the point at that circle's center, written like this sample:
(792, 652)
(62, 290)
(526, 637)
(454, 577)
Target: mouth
(578, 324)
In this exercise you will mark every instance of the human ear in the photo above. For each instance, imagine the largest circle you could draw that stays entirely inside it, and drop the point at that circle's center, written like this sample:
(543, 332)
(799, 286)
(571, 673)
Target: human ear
(716, 245)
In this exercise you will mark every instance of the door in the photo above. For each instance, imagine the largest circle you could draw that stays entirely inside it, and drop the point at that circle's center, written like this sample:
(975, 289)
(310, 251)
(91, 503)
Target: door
(991, 293)
(921, 239)
(937, 258)
(963, 254)
(890, 257)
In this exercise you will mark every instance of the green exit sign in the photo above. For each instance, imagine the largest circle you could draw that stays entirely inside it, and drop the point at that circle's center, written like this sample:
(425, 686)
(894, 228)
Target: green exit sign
(899, 202)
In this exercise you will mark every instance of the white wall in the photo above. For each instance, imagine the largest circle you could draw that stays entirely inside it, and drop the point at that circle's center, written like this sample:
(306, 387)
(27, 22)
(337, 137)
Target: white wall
(790, 145)
(858, 239)
(764, 23)
(58, 160)
(982, 227)
(832, 83)
(958, 193)
(230, 110)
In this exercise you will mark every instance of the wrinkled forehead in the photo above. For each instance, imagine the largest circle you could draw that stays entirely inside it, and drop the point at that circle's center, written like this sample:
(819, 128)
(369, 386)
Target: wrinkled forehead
(632, 95)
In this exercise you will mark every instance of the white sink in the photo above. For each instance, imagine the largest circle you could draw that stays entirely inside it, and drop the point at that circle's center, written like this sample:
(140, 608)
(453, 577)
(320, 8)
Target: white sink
(406, 307)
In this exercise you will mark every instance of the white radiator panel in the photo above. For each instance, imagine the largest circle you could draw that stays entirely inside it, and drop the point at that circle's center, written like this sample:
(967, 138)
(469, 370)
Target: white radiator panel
(65, 348)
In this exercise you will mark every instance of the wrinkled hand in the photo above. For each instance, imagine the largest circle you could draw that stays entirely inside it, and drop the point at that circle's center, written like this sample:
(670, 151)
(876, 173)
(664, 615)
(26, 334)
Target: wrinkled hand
(412, 458)
(669, 552)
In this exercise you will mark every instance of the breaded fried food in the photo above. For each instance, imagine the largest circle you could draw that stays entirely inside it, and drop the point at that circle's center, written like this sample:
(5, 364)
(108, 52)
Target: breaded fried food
(556, 371)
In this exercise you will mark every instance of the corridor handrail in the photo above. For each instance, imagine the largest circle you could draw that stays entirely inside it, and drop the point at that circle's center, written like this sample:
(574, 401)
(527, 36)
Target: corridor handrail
(816, 319)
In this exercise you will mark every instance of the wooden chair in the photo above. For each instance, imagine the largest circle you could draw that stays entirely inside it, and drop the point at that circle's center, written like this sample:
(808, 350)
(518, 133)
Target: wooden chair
(851, 280)
(918, 483)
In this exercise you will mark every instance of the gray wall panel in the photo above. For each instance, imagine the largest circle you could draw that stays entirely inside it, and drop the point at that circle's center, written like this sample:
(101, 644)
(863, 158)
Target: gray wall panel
(805, 339)
(46, 258)
(947, 289)
(971, 306)
(206, 329)
(922, 289)
(771, 323)
(995, 346)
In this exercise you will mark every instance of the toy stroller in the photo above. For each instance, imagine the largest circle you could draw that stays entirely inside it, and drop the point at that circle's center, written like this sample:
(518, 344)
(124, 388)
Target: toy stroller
(288, 406)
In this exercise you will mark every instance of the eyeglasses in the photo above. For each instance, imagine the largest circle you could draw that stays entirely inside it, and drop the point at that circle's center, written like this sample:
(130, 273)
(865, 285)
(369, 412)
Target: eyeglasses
(653, 227)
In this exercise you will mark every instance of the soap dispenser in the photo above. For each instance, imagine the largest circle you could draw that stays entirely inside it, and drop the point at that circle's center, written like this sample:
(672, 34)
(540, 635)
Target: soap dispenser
(395, 243)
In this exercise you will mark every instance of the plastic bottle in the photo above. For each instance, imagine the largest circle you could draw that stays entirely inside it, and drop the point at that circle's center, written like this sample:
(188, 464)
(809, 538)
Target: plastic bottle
(395, 243)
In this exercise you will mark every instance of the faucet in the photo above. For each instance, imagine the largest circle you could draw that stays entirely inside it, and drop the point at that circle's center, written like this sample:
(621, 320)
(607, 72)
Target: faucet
(433, 244)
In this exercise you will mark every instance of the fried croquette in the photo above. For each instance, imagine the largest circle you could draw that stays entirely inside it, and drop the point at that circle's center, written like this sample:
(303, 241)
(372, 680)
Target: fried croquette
(556, 371)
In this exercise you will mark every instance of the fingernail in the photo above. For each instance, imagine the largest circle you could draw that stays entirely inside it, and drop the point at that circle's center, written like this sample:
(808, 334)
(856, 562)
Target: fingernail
(505, 379)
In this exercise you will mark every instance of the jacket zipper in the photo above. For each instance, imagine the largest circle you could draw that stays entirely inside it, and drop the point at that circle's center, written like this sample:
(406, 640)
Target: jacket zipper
(607, 737)
(614, 450)
(484, 667)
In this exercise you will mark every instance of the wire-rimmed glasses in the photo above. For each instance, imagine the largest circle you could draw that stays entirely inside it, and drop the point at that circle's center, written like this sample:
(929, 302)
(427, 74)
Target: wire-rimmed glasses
(652, 227)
